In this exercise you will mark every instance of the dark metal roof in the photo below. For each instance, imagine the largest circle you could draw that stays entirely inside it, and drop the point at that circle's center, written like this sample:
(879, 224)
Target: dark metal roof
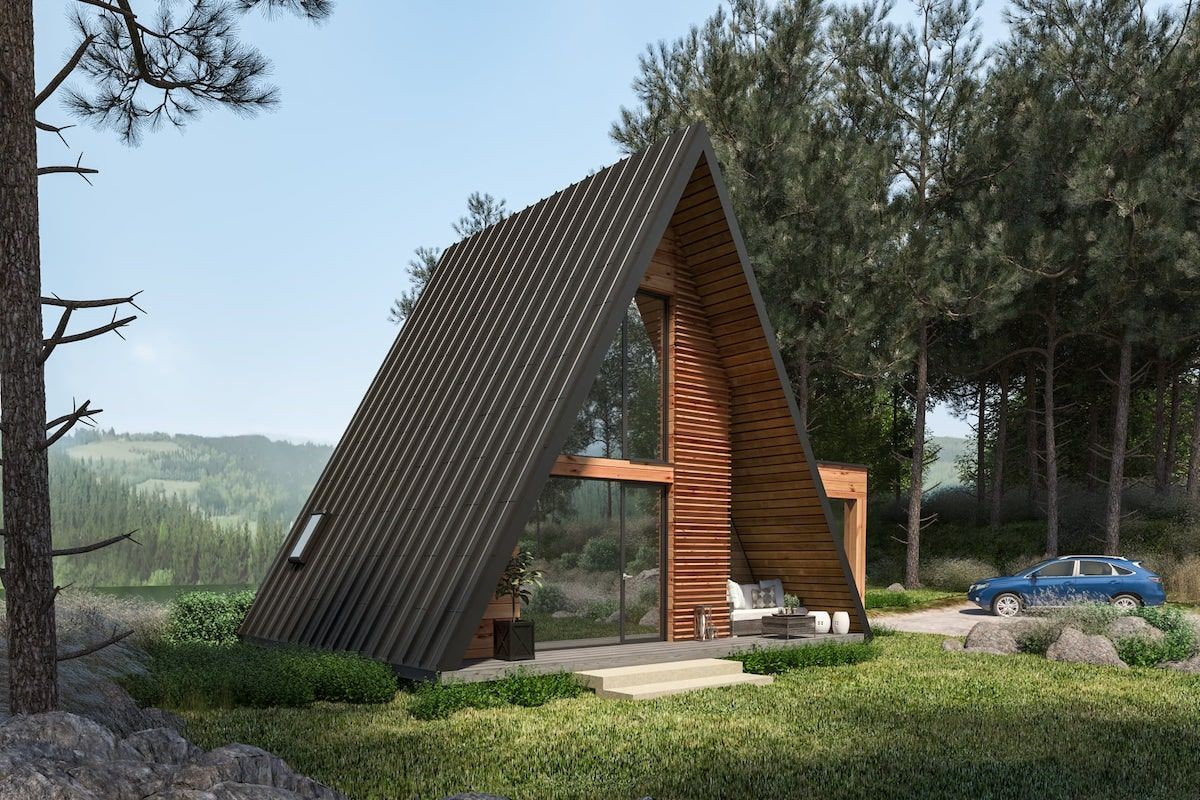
(440, 467)
(427, 492)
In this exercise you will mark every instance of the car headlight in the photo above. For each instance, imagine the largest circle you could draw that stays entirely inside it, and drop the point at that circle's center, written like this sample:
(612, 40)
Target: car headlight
(978, 587)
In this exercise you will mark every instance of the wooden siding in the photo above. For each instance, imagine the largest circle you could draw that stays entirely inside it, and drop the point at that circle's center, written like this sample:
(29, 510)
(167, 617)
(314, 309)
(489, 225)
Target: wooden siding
(483, 643)
(847, 484)
(776, 503)
(698, 504)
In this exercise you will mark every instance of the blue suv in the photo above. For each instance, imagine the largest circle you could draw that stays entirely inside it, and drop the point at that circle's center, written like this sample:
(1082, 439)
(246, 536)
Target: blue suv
(1071, 579)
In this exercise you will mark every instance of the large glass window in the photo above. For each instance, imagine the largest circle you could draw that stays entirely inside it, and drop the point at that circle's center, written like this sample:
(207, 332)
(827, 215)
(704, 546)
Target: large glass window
(624, 412)
(599, 544)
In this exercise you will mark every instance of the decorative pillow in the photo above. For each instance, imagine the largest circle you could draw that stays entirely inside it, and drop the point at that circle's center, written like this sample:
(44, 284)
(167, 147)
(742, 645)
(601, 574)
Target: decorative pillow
(735, 595)
(764, 598)
(775, 585)
(748, 594)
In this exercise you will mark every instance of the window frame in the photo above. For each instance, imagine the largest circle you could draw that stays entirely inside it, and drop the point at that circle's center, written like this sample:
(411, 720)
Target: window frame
(299, 554)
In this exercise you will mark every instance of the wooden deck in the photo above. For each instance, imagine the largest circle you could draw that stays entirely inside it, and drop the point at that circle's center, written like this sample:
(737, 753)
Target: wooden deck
(625, 655)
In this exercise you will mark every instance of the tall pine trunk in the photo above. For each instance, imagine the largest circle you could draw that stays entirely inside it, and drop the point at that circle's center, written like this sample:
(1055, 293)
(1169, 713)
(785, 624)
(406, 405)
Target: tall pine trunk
(1116, 467)
(28, 574)
(1193, 476)
(1031, 436)
(1159, 443)
(1051, 465)
(1172, 447)
(998, 455)
(912, 561)
(802, 373)
(980, 452)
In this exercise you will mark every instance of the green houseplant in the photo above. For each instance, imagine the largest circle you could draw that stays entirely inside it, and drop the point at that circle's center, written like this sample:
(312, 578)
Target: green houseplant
(513, 637)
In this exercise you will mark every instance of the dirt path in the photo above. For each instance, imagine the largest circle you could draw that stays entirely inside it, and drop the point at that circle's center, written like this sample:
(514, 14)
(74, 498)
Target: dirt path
(953, 620)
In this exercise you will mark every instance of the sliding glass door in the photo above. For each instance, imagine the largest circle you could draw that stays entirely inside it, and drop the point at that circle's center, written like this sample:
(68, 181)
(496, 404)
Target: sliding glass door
(599, 544)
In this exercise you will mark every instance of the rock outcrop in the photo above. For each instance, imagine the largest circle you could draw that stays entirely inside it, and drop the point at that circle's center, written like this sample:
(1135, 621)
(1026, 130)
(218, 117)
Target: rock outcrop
(63, 756)
(1077, 647)
(991, 637)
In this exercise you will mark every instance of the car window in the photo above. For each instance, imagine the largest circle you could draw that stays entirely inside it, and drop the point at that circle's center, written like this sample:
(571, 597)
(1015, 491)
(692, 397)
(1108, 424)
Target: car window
(1095, 568)
(1122, 570)
(1059, 569)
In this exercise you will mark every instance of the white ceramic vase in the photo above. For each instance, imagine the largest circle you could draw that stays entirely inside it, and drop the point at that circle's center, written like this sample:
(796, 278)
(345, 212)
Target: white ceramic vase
(821, 621)
(841, 622)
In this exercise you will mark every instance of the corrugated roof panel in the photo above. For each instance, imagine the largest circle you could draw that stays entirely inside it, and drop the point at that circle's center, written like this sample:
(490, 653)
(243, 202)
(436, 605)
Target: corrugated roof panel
(439, 467)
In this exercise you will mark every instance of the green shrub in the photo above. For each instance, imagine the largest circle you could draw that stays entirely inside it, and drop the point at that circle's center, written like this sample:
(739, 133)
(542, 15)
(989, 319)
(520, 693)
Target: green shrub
(549, 598)
(207, 617)
(1034, 636)
(775, 660)
(955, 574)
(879, 629)
(519, 688)
(194, 675)
(599, 554)
(1178, 644)
(568, 560)
(882, 598)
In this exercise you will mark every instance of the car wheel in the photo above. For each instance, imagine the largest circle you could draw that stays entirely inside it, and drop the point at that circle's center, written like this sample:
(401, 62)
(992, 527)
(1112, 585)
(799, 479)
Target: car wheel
(1126, 603)
(1006, 605)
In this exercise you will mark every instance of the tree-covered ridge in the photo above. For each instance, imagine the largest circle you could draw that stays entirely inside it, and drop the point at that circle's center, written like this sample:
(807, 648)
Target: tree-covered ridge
(176, 544)
(238, 478)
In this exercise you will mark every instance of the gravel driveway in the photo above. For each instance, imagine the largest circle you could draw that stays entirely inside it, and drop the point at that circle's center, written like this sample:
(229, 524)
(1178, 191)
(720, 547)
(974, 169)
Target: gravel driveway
(949, 620)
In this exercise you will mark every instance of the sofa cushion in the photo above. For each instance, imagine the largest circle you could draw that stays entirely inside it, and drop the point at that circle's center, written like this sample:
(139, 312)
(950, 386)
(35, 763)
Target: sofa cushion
(734, 595)
(748, 594)
(740, 614)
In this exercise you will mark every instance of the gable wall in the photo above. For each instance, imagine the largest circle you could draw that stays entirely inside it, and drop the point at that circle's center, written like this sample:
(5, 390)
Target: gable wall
(698, 504)
(777, 510)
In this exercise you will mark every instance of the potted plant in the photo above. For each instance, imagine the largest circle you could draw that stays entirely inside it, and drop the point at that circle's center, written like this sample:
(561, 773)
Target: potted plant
(791, 605)
(514, 637)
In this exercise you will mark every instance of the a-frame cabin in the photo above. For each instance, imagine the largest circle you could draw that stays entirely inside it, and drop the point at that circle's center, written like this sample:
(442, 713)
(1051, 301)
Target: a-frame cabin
(593, 379)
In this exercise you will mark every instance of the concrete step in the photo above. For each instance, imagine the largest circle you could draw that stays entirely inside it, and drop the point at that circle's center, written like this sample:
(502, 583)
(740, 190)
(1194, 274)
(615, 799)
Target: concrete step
(647, 691)
(641, 674)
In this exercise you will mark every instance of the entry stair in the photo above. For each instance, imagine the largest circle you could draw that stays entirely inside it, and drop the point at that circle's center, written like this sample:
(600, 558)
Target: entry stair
(646, 681)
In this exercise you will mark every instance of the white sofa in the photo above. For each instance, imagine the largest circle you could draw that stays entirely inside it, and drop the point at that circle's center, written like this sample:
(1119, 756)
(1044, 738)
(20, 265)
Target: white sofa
(745, 619)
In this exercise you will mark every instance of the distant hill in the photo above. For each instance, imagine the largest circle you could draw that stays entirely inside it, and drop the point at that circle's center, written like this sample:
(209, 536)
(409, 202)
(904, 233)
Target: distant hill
(234, 480)
(944, 472)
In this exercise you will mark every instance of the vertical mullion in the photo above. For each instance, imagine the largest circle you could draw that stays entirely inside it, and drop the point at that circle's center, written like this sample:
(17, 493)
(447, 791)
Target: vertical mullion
(621, 565)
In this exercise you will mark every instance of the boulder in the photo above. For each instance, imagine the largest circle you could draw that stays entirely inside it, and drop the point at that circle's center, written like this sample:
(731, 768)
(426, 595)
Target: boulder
(952, 645)
(896, 587)
(1191, 665)
(1077, 647)
(991, 637)
(163, 745)
(62, 756)
(1134, 628)
(563, 615)
(57, 735)
(613, 618)
(649, 619)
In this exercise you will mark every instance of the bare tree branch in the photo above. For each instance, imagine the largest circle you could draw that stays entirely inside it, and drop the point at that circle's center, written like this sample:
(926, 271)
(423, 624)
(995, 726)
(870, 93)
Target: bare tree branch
(55, 129)
(94, 546)
(68, 421)
(63, 73)
(114, 327)
(78, 169)
(87, 651)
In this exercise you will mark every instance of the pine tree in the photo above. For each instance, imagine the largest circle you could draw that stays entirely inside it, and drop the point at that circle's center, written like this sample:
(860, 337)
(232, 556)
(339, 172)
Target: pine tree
(134, 71)
(482, 210)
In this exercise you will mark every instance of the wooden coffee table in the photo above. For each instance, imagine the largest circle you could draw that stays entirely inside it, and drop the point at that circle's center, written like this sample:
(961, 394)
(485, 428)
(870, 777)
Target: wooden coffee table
(789, 626)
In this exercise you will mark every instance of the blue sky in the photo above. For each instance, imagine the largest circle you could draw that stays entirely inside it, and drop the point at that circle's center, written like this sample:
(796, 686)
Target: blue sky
(269, 249)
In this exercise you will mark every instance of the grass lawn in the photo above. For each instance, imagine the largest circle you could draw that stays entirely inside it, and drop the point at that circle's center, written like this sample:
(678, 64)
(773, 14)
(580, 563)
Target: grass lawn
(914, 722)
(881, 601)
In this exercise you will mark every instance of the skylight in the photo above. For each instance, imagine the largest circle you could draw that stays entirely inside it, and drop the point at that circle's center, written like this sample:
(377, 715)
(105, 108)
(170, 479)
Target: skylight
(310, 527)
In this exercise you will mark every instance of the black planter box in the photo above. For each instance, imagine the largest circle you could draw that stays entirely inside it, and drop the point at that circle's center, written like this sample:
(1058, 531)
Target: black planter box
(513, 639)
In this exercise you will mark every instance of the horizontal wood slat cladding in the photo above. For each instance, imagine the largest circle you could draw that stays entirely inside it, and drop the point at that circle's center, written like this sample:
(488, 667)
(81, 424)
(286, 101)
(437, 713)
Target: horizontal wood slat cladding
(698, 543)
(777, 511)
(483, 643)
